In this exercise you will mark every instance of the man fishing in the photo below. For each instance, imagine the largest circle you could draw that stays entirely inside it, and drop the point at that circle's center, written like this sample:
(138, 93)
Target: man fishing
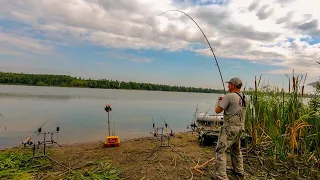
(233, 104)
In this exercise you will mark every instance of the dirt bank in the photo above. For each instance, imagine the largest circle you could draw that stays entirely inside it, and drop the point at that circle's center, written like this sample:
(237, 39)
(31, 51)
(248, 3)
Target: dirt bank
(167, 163)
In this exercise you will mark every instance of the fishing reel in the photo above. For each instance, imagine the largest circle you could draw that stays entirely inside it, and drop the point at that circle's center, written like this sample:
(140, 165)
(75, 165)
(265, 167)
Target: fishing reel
(171, 132)
(108, 108)
(192, 126)
(155, 133)
(28, 141)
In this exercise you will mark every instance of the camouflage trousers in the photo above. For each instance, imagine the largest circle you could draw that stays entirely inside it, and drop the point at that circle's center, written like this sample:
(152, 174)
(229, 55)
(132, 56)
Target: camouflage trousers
(229, 138)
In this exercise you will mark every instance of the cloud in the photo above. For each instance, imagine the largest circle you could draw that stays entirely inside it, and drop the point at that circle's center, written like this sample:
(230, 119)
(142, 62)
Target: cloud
(142, 60)
(4, 50)
(269, 32)
(120, 55)
(19, 44)
(26, 67)
(264, 12)
(309, 25)
(286, 18)
(253, 6)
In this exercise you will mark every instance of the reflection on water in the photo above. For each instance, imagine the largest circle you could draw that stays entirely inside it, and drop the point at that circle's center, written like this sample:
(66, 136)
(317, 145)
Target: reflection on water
(79, 112)
(50, 97)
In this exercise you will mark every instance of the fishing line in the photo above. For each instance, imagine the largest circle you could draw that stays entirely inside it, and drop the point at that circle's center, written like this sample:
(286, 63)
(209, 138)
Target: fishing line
(208, 110)
(207, 42)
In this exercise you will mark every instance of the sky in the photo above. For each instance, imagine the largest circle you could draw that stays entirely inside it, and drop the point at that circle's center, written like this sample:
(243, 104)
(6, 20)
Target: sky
(131, 40)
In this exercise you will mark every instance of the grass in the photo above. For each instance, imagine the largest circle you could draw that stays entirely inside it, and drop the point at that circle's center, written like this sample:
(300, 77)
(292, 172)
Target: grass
(13, 166)
(282, 123)
(96, 170)
(10, 164)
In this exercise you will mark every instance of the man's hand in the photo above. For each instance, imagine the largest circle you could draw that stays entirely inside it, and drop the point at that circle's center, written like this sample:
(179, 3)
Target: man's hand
(218, 108)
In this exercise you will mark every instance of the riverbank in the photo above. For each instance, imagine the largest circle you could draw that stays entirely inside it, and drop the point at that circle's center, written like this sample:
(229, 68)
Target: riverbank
(51, 80)
(90, 160)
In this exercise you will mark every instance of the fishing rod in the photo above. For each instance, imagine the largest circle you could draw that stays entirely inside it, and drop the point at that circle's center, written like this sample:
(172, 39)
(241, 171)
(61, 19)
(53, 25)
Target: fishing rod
(207, 42)
(154, 129)
(167, 126)
(207, 111)
(27, 140)
(193, 121)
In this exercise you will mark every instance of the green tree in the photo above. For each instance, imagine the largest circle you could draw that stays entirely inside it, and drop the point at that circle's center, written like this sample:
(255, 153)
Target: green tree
(68, 81)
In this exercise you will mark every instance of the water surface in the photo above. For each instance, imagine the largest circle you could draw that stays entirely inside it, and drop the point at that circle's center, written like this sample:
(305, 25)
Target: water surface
(79, 112)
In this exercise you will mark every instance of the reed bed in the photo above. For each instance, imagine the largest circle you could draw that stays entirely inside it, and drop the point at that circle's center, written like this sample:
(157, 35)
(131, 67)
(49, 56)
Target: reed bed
(285, 125)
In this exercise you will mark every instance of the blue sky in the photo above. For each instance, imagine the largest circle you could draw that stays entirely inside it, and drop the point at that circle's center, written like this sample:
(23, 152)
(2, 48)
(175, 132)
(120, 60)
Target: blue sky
(130, 42)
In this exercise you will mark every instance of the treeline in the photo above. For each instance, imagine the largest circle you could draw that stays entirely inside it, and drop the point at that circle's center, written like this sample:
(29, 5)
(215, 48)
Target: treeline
(68, 81)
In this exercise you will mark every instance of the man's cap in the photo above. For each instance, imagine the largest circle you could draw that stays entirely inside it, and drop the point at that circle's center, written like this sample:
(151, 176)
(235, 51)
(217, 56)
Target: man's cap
(236, 81)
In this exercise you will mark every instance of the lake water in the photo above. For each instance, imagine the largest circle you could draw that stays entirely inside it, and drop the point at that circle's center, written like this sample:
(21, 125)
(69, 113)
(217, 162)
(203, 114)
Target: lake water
(80, 114)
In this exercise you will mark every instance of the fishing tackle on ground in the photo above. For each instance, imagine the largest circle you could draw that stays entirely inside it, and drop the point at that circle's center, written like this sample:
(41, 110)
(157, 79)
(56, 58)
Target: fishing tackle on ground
(164, 139)
(51, 141)
(44, 155)
(193, 124)
(28, 141)
(108, 109)
(155, 130)
(111, 140)
(167, 126)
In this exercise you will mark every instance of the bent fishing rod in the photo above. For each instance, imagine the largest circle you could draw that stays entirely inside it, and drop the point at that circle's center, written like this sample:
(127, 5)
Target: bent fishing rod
(207, 42)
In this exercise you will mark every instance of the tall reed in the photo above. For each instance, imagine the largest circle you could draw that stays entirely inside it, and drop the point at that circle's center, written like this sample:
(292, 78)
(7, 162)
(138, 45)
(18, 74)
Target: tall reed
(282, 123)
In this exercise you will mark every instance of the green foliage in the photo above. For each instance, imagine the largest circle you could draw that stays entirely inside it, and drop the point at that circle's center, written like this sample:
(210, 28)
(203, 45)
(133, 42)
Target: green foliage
(10, 164)
(289, 123)
(13, 166)
(96, 170)
(68, 81)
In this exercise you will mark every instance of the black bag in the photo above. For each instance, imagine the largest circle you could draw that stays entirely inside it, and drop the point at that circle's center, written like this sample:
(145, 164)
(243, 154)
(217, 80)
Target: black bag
(208, 138)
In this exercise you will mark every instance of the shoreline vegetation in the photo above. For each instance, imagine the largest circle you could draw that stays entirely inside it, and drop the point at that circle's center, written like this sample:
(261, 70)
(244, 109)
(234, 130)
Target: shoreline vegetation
(51, 80)
(9, 78)
(283, 126)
